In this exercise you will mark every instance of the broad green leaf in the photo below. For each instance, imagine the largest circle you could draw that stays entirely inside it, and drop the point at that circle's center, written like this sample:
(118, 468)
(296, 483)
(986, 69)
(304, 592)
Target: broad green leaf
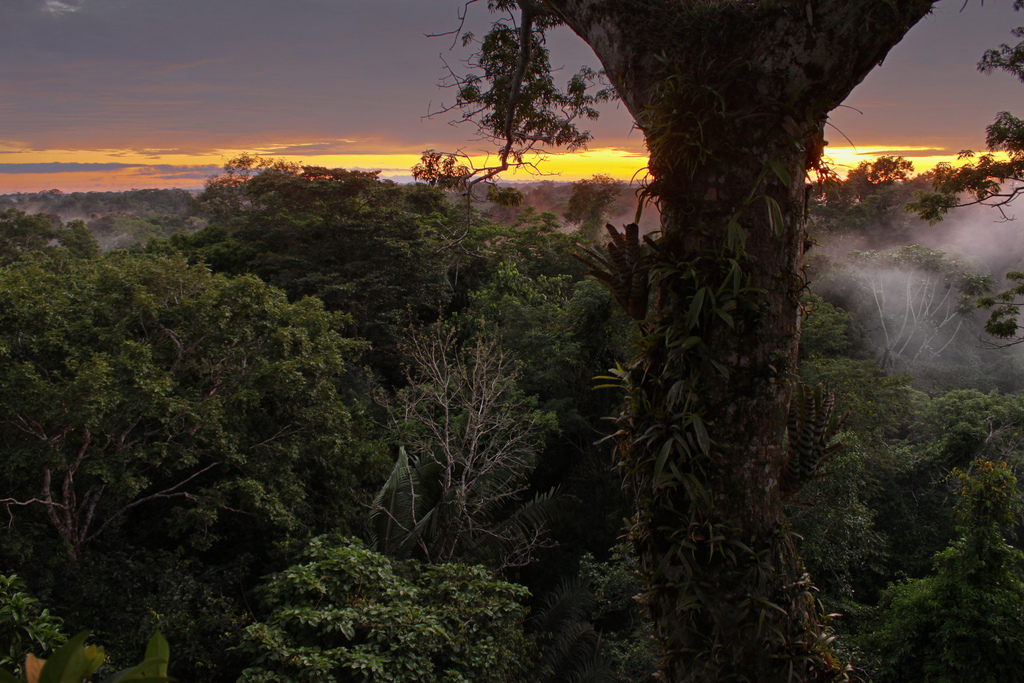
(781, 172)
(159, 649)
(702, 435)
(68, 664)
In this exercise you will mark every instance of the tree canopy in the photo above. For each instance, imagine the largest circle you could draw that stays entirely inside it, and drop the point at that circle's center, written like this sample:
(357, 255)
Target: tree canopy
(137, 389)
(363, 246)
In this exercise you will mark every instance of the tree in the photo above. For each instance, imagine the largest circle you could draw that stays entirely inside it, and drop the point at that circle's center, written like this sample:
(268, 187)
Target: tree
(918, 298)
(852, 520)
(226, 194)
(469, 443)
(515, 58)
(985, 180)
(949, 432)
(345, 237)
(966, 622)
(870, 202)
(440, 170)
(732, 98)
(989, 180)
(21, 234)
(590, 201)
(625, 632)
(136, 384)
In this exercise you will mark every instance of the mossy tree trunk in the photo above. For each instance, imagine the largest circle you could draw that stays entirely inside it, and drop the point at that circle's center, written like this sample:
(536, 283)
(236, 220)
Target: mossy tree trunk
(732, 97)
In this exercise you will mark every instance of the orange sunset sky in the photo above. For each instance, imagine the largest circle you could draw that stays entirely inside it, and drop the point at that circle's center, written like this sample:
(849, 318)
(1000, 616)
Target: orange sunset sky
(111, 95)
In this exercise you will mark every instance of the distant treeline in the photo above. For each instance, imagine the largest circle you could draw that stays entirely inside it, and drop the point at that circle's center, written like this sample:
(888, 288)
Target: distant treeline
(119, 220)
(129, 219)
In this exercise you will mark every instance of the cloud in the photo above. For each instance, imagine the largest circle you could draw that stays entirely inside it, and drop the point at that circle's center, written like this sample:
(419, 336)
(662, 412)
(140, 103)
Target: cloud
(142, 169)
(58, 8)
(383, 171)
(12, 147)
(906, 152)
(294, 78)
(59, 167)
(314, 148)
(191, 172)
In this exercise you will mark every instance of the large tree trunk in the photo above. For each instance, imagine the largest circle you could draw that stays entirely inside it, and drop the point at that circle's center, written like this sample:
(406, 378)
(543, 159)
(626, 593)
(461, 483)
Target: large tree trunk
(732, 97)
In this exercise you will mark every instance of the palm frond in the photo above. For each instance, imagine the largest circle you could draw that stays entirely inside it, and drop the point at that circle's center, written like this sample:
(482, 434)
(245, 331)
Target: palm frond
(571, 646)
(390, 518)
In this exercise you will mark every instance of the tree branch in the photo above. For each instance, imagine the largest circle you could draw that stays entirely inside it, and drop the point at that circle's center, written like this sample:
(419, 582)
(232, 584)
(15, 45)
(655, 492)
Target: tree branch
(170, 492)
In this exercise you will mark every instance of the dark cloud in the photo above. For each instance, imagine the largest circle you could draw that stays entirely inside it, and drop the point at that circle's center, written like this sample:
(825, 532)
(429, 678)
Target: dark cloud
(60, 167)
(332, 147)
(76, 167)
(330, 76)
(115, 73)
(167, 171)
(230, 73)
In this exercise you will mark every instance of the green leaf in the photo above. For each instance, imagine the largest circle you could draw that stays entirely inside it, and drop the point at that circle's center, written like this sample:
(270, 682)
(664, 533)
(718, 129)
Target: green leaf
(781, 172)
(702, 435)
(735, 236)
(68, 664)
(726, 317)
(138, 673)
(659, 464)
(158, 648)
(153, 667)
(775, 216)
(696, 304)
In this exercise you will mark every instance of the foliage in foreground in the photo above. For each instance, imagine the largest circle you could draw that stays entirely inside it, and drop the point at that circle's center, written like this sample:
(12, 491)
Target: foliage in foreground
(75, 663)
(24, 628)
(347, 613)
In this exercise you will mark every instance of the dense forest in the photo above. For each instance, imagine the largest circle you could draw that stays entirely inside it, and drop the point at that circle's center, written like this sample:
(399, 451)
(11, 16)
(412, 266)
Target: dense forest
(312, 425)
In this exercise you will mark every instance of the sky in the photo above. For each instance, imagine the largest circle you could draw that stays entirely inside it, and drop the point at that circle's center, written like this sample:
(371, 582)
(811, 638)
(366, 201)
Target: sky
(119, 94)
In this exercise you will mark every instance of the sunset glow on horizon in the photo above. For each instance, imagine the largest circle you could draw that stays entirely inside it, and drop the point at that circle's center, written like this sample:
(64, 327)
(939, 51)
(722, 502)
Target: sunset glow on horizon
(117, 170)
(105, 95)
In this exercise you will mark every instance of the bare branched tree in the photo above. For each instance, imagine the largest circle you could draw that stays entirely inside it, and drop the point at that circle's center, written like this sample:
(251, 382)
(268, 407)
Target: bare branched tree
(470, 440)
(919, 298)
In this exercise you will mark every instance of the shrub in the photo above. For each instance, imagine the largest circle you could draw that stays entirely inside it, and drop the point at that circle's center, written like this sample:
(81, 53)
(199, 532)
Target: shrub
(350, 614)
